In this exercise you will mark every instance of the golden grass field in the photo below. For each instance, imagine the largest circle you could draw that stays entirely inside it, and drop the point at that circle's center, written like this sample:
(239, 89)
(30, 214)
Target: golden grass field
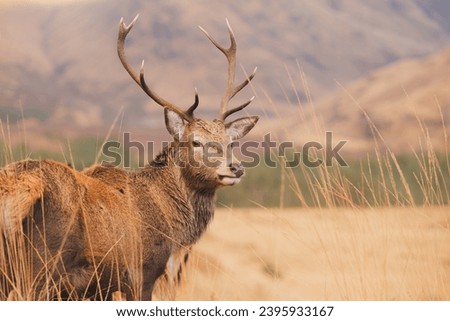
(322, 254)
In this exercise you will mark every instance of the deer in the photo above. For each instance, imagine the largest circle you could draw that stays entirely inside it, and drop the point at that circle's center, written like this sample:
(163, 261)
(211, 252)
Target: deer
(92, 233)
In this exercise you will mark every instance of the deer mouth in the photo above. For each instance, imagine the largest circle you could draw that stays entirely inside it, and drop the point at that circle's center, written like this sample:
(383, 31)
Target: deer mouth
(227, 180)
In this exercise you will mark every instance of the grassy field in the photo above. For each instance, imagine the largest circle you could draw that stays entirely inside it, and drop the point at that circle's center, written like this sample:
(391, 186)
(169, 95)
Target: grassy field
(328, 254)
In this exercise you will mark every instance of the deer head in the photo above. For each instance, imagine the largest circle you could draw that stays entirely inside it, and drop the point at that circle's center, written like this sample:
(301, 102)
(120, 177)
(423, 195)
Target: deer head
(202, 147)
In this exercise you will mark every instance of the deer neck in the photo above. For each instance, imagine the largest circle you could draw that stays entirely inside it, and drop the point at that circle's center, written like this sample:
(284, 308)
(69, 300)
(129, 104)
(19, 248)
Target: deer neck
(195, 206)
(202, 203)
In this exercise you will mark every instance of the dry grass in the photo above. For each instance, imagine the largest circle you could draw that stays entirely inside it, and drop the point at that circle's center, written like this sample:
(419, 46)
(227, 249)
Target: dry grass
(332, 254)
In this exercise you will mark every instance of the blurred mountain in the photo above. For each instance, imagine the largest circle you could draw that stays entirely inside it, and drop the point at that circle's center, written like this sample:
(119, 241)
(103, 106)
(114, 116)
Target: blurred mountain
(59, 65)
(405, 105)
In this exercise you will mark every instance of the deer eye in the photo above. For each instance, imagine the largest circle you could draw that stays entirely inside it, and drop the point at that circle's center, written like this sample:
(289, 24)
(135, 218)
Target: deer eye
(196, 143)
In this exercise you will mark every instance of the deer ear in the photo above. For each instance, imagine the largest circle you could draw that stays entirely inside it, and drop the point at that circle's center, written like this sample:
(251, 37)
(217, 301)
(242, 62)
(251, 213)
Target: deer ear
(240, 127)
(174, 123)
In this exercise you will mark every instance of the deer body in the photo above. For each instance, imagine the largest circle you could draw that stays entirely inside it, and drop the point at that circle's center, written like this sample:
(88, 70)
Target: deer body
(106, 229)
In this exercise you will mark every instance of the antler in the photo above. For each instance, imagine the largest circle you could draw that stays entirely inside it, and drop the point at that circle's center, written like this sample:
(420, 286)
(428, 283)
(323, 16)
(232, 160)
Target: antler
(230, 90)
(188, 115)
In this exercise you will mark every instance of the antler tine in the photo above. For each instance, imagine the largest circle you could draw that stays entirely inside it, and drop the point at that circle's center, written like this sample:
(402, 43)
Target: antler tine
(191, 109)
(230, 90)
(123, 32)
(245, 82)
(236, 109)
(140, 80)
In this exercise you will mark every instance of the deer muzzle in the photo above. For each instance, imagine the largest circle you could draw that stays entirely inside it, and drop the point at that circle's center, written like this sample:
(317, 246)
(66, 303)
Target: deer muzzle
(231, 175)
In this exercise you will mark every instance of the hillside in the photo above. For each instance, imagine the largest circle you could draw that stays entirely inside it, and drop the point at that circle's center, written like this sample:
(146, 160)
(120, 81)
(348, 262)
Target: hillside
(59, 61)
(405, 101)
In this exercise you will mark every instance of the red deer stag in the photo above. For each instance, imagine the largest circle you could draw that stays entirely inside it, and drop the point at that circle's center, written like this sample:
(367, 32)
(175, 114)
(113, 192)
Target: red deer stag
(86, 235)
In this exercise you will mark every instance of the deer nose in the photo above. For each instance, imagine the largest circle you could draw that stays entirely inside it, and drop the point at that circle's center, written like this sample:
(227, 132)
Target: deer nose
(237, 169)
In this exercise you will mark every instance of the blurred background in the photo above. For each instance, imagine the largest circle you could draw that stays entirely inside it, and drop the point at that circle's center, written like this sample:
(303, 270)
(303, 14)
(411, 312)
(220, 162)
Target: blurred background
(354, 67)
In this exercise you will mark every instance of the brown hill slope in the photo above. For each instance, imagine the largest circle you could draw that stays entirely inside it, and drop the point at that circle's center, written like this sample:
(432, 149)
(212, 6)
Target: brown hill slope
(406, 102)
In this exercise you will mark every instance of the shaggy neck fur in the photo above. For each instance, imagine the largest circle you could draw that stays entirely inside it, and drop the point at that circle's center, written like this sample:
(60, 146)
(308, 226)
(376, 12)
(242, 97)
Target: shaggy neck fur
(195, 206)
